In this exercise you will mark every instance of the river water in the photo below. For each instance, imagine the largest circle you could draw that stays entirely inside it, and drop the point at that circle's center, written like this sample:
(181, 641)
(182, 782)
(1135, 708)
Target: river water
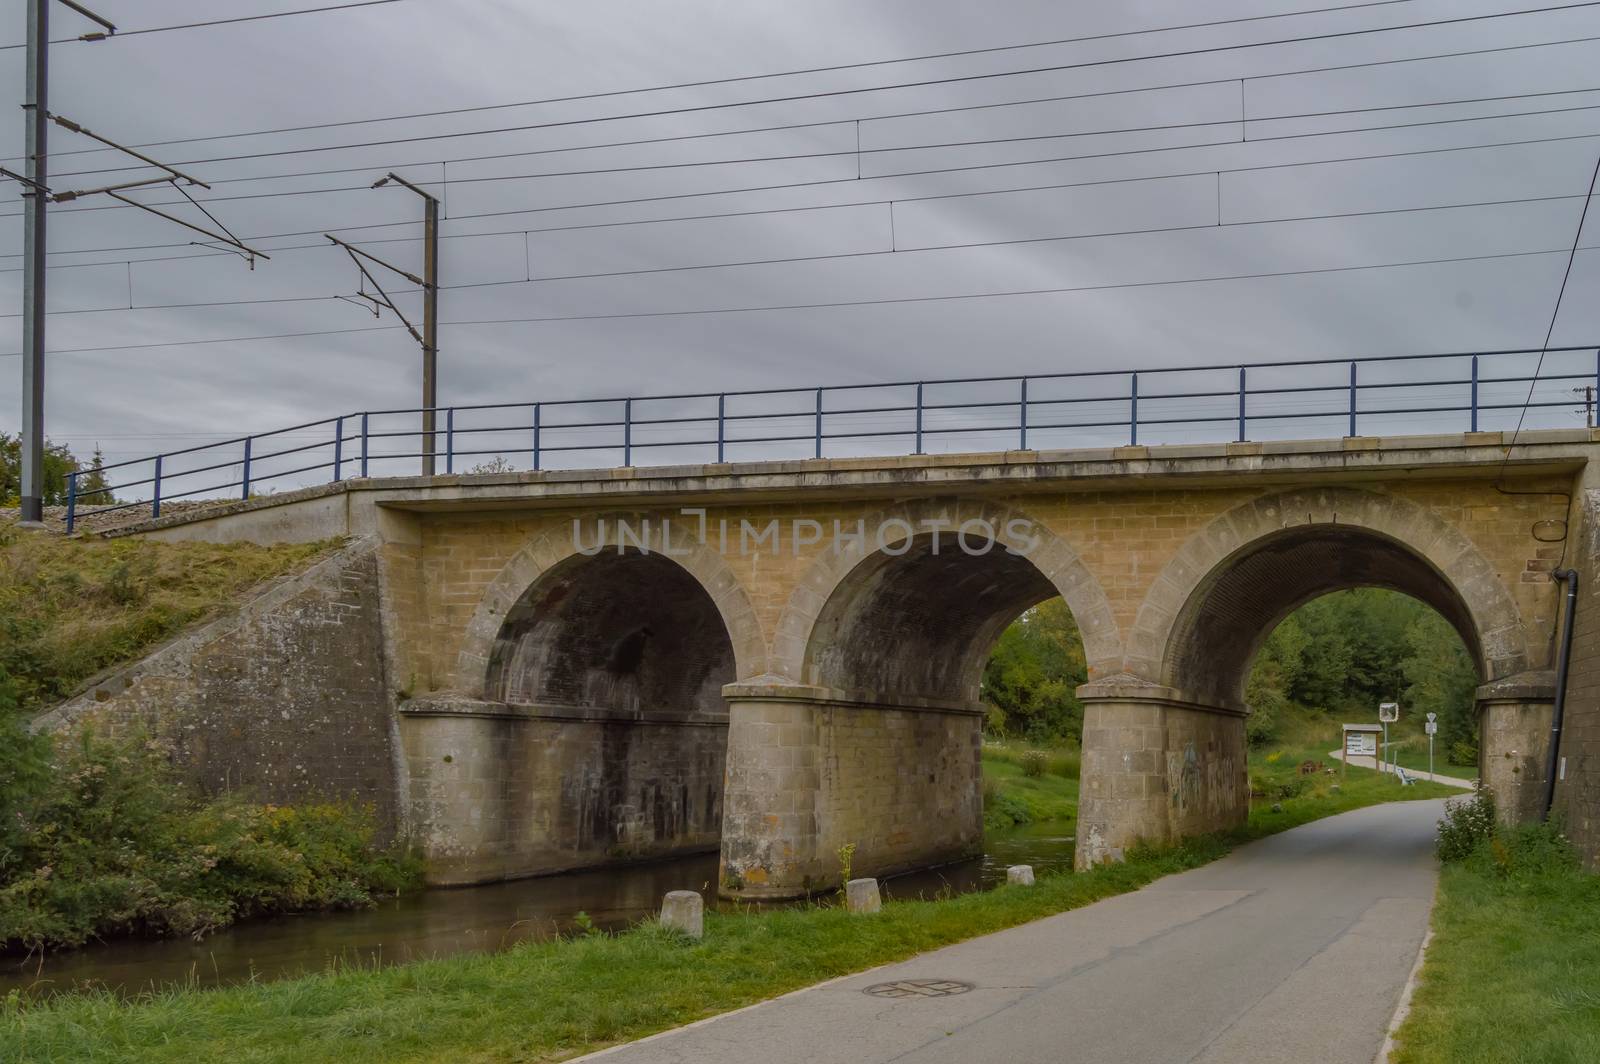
(439, 923)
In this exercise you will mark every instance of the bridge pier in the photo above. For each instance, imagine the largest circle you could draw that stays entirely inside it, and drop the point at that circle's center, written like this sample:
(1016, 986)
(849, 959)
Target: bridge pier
(1156, 768)
(812, 770)
(1514, 716)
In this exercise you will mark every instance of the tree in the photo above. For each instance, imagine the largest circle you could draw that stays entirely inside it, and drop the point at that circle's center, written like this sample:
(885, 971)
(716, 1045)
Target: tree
(92, 482)
(1442, 679)
(1033, 674)
(58, 462)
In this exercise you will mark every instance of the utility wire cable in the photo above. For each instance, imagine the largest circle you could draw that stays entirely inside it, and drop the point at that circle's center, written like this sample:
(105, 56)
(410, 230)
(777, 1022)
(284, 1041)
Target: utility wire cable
(706, 83)
(1555, 312)
(952, 297)
(898, 149)
(200, 25)
(859, 90)
(1202, 226)
(323, 244)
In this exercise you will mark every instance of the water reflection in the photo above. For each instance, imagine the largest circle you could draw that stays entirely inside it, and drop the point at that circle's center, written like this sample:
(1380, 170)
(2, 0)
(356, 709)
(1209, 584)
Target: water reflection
(440, 923)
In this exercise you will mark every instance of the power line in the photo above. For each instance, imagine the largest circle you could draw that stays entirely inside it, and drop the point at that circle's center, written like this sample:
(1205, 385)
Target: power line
(880, 253)
(219, 340)
(1012, 293)
(1555, 312)
(816, 207)
(877, 150)
(706, 83)
(199, 25)
(923, 83)
(1019, 292)
(984, 142)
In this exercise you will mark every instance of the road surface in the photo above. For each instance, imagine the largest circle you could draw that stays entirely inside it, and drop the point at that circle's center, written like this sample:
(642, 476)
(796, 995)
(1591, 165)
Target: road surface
(1292, 948)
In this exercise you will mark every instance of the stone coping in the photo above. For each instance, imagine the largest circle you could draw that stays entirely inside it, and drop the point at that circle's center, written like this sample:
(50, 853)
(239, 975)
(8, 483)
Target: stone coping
(1538, 451)
(450, 706)
(1135, 689)
(780, 690)
(1537, 685)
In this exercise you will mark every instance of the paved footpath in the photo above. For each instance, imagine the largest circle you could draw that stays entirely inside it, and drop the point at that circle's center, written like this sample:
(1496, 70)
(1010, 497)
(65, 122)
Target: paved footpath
(1416, 774)
(1292, 948)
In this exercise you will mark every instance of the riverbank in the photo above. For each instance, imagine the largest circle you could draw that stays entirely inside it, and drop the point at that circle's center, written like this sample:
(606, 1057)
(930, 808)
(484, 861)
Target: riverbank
(546, 1001)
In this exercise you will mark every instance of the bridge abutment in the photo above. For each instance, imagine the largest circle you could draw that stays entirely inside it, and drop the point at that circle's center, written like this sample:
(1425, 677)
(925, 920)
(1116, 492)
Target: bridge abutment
(812, 770)
(1156, 768)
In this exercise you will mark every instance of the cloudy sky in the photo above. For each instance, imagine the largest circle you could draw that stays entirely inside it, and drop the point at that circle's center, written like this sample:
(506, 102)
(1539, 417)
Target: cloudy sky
(1054, 210)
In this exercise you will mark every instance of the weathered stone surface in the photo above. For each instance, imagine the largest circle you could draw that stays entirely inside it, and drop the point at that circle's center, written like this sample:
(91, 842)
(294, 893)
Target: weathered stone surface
(684, 910)
(1020, 875)
(284, 699)
(861, 896)
(852, 716)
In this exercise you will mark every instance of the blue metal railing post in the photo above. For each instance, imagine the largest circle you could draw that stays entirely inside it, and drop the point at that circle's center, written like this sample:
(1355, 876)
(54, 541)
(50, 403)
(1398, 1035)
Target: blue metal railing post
(72, 500)
(536, 436)
(1133, 412)
(1474, 393)
(338, 448)
(155, 493)
(627, 432)
(722, 428)
(1352, 398)
(818, 450)
(363, 446)
(244, 483)
(919, 417)
(450, 440)
(1022, 417)
(1242, 436)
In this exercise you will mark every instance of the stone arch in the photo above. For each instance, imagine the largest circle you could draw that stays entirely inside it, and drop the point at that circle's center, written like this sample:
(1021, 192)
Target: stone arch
(1034, 564)
(1233, 580)
(557, 548)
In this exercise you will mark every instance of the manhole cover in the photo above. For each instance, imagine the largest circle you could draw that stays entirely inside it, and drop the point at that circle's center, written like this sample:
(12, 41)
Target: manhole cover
(905, 988)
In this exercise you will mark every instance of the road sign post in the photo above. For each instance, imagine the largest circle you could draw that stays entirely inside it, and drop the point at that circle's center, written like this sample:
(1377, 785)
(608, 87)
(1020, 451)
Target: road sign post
(1432, 728)
(1388, 712)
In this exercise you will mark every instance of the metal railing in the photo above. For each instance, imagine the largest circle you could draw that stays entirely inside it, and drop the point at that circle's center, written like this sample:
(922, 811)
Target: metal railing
(1105, 407)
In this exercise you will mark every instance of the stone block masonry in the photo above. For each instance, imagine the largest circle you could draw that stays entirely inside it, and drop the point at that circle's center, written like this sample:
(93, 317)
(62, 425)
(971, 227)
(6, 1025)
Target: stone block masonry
(284, 699)
(845, 683)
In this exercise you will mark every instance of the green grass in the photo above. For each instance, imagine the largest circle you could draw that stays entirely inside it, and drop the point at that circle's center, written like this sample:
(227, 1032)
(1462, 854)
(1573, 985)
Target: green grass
(1511, 975)
(546, 1001)
(72, 608)
(1012, 798)
(1413, 757)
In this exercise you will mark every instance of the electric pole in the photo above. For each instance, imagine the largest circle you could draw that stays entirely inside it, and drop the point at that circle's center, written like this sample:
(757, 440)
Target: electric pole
(34, 193)
(429, 339)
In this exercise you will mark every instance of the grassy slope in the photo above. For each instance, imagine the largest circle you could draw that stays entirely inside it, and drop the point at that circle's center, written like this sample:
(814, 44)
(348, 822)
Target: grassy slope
(1012, 797)
(1511, 975)
(546, 1001)
(72, 608)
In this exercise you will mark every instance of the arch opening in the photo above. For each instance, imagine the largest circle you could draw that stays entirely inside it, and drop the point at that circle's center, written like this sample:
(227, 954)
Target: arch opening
(1335, 658)
(921, 624)
(629, 632)
(1237, 606)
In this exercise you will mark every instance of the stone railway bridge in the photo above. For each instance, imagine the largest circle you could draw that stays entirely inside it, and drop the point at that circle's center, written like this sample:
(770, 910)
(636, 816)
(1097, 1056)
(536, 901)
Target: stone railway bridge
(532, 672)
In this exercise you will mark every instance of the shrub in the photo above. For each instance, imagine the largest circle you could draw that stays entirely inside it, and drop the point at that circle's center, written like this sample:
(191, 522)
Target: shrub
(1033, 763)
(1467, 826)
(1293, 787)
(109, 843)
(1463, 753)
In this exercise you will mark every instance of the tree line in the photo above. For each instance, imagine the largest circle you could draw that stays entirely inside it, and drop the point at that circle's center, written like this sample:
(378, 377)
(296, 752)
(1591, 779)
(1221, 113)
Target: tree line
(59, 464)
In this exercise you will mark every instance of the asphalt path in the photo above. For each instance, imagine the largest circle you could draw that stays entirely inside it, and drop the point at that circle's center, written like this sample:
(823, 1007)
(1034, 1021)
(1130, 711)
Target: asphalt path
(1292, 948)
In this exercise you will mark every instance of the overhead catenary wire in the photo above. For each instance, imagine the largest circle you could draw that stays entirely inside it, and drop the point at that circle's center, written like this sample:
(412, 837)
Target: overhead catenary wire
(706, 83)
(208, 23)
(859, 90)
(1373, 156)
(852, 179)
